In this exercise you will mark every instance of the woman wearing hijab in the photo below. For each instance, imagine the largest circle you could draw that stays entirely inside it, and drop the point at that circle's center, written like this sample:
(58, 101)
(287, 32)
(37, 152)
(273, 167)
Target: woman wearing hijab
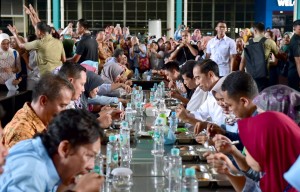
(9, 61)
(272, 140)
(91, 88)
(112, 70)
(280, 98)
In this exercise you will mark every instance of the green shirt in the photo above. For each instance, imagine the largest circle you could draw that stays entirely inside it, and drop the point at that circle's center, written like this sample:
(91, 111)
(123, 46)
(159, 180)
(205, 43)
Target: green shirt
(49, 53)
(269, 46)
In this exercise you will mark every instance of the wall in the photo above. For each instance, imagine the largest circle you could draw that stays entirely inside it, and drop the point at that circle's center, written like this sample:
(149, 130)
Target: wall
(264, 11)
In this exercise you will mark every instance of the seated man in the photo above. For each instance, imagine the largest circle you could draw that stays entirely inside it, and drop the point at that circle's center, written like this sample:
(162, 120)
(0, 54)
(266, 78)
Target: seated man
(206, 75)
(199, 96)
(76, 74)
(50, 96)
(56, 157)
(172, 72)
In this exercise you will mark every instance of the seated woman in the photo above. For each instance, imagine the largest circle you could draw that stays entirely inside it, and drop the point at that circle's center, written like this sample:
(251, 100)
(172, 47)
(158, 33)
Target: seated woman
(92, 96)
(269, 155)
(280, 98)
(265, 154)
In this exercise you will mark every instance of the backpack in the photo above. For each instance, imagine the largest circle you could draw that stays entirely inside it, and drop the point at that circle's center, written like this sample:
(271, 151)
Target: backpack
(256, 64)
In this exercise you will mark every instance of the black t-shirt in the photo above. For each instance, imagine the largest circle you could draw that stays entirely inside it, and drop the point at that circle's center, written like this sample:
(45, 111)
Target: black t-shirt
(184, 54)
(294, 51)
(87, 47)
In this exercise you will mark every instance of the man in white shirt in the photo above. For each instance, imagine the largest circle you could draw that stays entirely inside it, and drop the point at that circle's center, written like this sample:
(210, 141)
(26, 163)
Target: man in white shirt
(199, 96)
(206, 75)
(222, 50)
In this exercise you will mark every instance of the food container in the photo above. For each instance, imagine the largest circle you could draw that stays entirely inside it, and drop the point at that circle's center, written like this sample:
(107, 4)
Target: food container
(185, 138)
(203, 179)
(189, 155)
(122, 179)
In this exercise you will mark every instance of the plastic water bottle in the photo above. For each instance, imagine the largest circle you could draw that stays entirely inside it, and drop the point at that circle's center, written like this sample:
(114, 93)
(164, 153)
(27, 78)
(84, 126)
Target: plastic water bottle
(158, 137)
(125, 151)
(98, 168)
(133, 97)
(155, 86)
(136, 74)
(129, 115)
(175, 171)
(173, 121)
(163, 88)
(189, 181)
(139, 109)
(134, 87)
(112, 156)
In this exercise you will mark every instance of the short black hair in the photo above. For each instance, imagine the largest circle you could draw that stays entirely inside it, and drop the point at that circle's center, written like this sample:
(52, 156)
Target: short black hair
(208, 65)
(2, 112)
(187, 68)
(77, 126)
(296, 22)
(31, 37)
(259, 26)
(221, 21)
(171, 65)
(240, 84)
(43, 27)
(118, 52)
(84, 23)
(71, 70)
(50, 85)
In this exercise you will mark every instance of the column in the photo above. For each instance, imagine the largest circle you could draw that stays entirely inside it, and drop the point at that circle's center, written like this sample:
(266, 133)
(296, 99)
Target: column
(296, 10)
(170, 18)
(79, 9)
(62, 13)
(124, 13)
(178, 13)
(56, 14)
(185, 12)
(48, 12)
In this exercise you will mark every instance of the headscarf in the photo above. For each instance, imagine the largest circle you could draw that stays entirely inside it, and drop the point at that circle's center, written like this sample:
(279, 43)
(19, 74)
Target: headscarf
(280, 98)
(92, 81)
(273, 140)
(111, 70)
(218, 85)
(3, 36)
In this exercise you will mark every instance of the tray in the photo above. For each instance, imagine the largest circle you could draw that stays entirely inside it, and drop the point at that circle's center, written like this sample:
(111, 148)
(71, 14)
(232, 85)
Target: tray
(206, 175)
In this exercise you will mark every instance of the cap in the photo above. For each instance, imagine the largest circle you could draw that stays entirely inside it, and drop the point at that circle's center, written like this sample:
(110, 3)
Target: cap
(112, 138)
(190, 172)
(173, 113)
(124, 124)
(128, 104)
(175, 152)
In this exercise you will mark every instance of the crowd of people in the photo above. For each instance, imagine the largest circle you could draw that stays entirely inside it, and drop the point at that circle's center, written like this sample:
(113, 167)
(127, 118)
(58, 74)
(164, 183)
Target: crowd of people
(229, 89)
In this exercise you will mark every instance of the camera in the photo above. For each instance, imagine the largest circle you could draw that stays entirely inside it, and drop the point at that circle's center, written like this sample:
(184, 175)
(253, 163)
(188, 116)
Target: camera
(136, 48)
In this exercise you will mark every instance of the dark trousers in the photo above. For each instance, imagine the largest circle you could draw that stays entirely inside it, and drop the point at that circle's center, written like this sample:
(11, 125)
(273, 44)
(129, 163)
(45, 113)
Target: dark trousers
(293, 79)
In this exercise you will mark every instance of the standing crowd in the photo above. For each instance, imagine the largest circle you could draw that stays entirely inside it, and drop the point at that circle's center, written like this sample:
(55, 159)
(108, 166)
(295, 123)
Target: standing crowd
(230, 90)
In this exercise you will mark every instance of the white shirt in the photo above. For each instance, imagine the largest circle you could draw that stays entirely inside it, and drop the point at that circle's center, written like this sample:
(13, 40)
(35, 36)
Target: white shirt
(210, 111)
(220, 50)
(197, 99)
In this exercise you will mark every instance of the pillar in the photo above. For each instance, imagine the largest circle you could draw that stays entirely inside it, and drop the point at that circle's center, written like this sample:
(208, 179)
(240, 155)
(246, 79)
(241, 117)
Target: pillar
(170, 18)
(178, 13)
(49, 11)
(185, 12)
(56, 14)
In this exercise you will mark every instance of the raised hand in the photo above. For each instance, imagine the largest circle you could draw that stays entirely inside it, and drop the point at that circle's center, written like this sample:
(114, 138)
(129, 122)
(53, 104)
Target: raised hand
(12, 29)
